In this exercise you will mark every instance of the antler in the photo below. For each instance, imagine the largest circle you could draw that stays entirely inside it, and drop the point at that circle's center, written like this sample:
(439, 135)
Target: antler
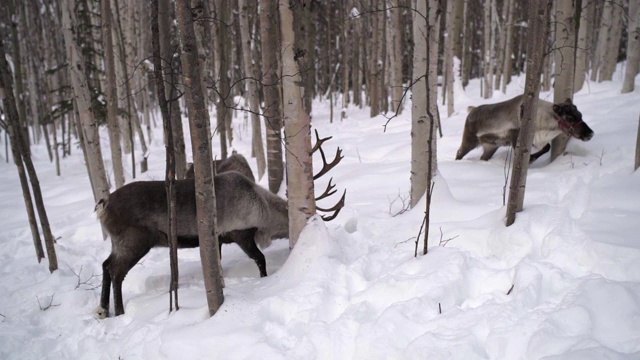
(326, 167)
(328, 191)
(335, 208)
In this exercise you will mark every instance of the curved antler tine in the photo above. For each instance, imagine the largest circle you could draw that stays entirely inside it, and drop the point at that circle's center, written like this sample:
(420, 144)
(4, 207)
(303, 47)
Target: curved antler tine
(336, 208)
(328, 191)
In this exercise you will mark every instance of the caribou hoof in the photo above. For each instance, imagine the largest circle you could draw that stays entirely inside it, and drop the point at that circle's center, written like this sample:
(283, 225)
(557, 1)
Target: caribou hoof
(101, 313)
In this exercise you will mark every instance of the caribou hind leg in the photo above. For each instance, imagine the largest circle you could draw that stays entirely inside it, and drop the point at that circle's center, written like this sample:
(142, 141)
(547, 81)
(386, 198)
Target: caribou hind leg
(127, 249)
(102, 311)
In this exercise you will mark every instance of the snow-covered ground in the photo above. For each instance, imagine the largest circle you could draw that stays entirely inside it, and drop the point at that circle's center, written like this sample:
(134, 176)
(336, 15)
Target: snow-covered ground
(352, 289)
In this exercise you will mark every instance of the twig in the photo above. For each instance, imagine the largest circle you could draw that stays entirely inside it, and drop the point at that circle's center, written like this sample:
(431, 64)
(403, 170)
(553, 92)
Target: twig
(51, 304)
(439, 308)
(444, 242)
(402, 242)
(404, 208)
(85, 282)
(601, 156)
(510, 289)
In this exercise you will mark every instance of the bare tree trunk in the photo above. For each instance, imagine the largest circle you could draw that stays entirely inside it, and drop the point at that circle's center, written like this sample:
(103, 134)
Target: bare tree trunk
(465, 60)
(269, 36)
(202, 160)
(254, 102)
(502, 57)
(17, 68)
(395, 65)
(223, 89)
(613, 44)
(539, 12)
(14, 131)
(424, 102)
(168, 61)
(112, 95)
(565, 44)
(547, 67)
(297, 122)
(633, 47)
(133, 122)
(448, 57)
(305, 27)
(583, 43)
(83, 102)
(488, 49)
(507, 63)
(374, 72)
(357, 63)
(602, 41)
(23, 152)
(170, 156)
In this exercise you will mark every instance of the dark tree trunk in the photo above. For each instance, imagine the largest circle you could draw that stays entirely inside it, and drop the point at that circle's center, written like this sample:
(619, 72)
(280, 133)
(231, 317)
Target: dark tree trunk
(170, 173)
(539, 12)
(201, 147)
(272, 113)
(170, 65)
(21, 153)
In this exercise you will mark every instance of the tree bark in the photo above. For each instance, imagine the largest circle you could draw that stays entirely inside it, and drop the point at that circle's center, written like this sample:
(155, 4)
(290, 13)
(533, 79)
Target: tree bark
(449, 42)
(374, 72)
(14, 131)
(170, 62)
(564, 52)
(222, 109)
(613, 44)
(83, 103)
(539, 12)
(633, 47)
(297, 122)
(170, 171)
(202, 160)
(598, 62)
(487, 53)
(17, 66)
(112, 95)
(254, 101)
(269, 32)
(424, 103)
(304, 23)
(507, 62)
(583, 43)
(397, 87)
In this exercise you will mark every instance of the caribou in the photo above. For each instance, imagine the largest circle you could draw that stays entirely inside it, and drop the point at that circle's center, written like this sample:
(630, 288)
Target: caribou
(496, 125)
(136, 218)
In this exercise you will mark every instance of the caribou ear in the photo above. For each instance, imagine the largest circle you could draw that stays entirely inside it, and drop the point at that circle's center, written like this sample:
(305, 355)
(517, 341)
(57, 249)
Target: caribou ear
(568, 101)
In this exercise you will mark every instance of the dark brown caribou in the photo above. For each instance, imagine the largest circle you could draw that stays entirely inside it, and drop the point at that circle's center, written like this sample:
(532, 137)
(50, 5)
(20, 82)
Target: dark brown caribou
(495, 125)
(136, 218)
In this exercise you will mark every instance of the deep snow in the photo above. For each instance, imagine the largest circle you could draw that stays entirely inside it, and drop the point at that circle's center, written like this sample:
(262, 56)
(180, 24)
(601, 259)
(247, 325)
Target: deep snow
(351, 289)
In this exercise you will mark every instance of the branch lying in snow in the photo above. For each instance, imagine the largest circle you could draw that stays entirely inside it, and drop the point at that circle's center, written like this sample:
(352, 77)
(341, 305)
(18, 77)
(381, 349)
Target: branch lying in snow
(510, 289)
(444, 242)
(405, 204)
(51, 304)
(90, 286)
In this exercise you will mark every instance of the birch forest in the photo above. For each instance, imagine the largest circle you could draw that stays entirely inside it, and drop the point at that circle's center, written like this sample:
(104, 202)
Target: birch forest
(73, 69)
